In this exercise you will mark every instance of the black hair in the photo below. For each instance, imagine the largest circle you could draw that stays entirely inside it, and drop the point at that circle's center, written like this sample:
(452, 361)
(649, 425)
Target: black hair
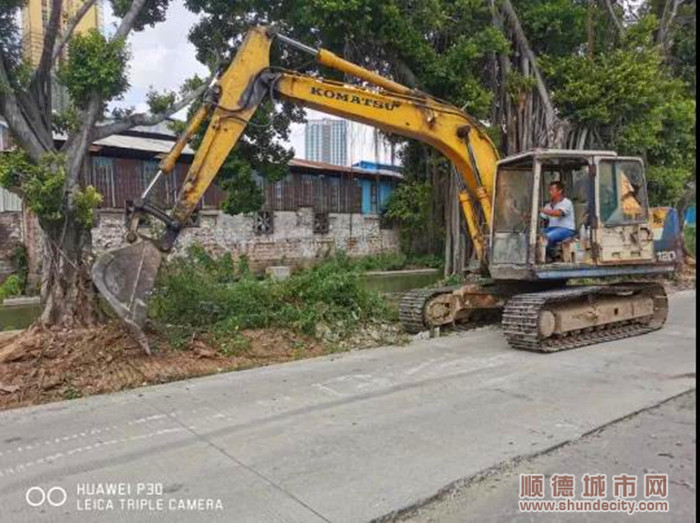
(558, 185)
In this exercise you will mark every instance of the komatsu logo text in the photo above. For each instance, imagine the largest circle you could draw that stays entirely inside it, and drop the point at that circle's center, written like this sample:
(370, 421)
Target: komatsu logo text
(354, 99)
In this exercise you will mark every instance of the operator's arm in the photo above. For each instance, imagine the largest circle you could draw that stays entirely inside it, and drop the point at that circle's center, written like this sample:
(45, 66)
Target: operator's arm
(552, 212)
(560, 209)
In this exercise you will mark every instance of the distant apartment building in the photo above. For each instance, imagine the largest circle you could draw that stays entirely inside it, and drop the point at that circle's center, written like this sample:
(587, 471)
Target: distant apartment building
(35, 16)
(326, 141)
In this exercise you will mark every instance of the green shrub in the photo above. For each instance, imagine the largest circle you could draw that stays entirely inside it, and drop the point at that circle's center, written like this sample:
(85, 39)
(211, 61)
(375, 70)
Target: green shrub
(689, 235)
(390, 261)
(212, 295)
(12, 286)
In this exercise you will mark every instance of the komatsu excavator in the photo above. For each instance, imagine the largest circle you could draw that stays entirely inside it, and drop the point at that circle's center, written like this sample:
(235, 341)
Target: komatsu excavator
(500, 202)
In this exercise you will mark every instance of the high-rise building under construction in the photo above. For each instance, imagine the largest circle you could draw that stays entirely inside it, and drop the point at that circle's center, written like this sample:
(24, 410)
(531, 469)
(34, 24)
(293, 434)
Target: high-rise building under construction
(35, 16)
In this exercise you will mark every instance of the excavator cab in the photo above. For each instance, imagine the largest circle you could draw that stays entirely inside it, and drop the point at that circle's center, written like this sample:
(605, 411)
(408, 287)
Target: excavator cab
(613, 230)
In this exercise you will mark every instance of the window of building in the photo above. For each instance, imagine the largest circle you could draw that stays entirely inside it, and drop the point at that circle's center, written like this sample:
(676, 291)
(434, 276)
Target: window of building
(263, 223)
(321, 223)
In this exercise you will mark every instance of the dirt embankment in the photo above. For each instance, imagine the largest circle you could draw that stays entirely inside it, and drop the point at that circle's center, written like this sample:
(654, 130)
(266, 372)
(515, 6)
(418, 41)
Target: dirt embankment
(42, 365)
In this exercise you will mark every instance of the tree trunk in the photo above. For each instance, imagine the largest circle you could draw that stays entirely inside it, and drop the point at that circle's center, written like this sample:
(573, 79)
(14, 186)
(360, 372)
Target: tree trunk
(67, 294)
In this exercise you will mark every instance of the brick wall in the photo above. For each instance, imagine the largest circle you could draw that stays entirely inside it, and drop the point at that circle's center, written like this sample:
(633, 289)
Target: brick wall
(292, 242)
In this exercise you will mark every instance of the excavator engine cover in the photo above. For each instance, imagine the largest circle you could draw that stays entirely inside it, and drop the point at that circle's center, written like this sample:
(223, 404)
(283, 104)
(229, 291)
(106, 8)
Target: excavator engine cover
(125, 277)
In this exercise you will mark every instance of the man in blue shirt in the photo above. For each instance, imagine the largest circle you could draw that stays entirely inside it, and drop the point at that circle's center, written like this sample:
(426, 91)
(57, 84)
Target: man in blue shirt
(559, 213)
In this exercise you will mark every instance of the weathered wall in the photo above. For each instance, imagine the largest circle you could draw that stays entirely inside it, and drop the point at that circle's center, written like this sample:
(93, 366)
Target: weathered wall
(20, 227)
(292, 242)
(10, 236)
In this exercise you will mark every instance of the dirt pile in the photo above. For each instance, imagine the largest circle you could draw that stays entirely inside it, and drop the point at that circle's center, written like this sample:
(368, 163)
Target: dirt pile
(43, 365)
(685, 277)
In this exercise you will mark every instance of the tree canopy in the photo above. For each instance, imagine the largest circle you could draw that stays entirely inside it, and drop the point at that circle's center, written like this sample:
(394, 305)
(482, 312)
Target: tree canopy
(612, 75)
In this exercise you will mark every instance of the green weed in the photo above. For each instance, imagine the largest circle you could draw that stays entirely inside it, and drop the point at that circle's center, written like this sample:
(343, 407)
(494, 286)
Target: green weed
(202, 293)
(689, 235)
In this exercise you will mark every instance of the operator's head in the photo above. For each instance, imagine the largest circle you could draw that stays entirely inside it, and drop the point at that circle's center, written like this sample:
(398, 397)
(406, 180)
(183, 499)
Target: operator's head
(556, 191)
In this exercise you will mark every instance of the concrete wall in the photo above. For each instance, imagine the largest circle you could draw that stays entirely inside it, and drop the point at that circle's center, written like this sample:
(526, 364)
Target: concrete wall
(11, 234)
(20, 227)
(291, 243)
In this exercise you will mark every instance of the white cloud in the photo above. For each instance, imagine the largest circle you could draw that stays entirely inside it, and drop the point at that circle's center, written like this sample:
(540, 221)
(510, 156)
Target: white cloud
(161, 56)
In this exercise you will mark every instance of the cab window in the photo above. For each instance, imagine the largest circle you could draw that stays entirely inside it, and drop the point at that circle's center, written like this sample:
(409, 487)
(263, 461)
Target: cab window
(513, 199)
(623, 197)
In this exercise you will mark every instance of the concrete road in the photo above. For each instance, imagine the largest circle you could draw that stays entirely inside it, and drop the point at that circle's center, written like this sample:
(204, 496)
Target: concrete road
(658, 440)
(351, 437)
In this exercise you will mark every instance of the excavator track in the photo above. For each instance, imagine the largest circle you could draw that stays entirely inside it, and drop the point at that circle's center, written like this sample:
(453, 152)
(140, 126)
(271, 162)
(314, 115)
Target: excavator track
(412, 307)
(521, 315)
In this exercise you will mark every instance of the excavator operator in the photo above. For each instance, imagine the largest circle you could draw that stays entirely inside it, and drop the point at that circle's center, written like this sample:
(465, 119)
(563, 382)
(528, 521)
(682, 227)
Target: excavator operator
(559, 214)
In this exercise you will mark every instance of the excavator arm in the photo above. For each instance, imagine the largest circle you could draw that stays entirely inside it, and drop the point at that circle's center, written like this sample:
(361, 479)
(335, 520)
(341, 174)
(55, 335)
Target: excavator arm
(125, 277)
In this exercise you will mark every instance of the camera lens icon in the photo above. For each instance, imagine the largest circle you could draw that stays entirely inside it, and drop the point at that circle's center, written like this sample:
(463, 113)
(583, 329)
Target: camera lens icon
(37, 496)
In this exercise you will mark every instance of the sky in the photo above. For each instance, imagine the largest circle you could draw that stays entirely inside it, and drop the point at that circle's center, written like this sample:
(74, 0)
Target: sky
(163, 57)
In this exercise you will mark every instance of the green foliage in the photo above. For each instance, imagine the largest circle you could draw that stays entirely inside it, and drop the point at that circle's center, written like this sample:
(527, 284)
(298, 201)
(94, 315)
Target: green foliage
(72, 393)
(409, 204)
(517, 84)
(202, 292)
(67, 121)
(381, 262)
(682, 55)
(95, 66)
(86, 201)
(41, 185)
(631, 101)
(20, 263)
(243, 194)
(9, 32)
(159, 102)
(258, 151)
(553, 27)
(390, 261)
(690, 238)
(153, 12)
(12, 286)
(191, 84)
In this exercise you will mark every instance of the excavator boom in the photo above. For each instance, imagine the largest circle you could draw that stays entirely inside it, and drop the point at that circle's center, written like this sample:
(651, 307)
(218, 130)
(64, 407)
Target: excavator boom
(125, 277)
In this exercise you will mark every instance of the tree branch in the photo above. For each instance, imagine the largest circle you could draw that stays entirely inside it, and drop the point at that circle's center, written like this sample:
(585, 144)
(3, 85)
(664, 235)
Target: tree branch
(68, 31)
(50, 34)
(129, 19)
(40, 85)
(11, 110)
(76, 145)
(530, 55)
(103, 131)
(613, 17)
(670, 11)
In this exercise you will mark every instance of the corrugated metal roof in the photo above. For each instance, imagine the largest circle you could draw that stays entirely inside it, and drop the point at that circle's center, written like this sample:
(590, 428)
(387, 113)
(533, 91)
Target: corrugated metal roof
(158, 146)
(140, 143)
(323, 166)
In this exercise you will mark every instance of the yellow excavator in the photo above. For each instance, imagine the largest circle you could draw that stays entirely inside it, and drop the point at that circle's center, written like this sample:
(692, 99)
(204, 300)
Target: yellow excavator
(501, 202)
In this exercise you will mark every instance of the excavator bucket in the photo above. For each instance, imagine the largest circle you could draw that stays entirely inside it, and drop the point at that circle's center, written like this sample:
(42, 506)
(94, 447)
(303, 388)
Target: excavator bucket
(125, 278)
